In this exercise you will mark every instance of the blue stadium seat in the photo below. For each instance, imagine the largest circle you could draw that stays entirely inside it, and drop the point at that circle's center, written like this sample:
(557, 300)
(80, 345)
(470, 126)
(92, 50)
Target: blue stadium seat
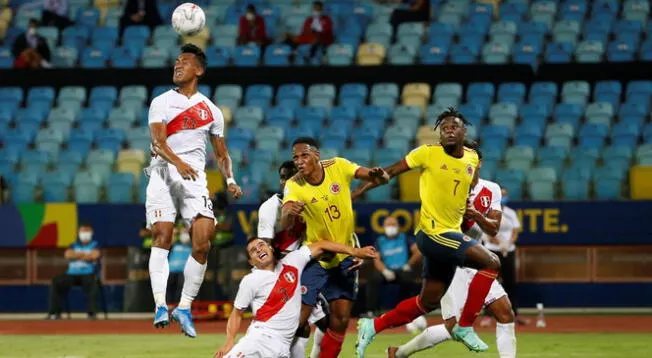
(340, 54)
(620, 51)
(258, 95)
(246, 56)
(120, 188)
(558, 52)
(527, 135)
(280, 114)
(433, 54)
(218, 56)
(624, 134)
(55, 187)
(375, 114)
(593, 135)
(277, 55)
(311, 114)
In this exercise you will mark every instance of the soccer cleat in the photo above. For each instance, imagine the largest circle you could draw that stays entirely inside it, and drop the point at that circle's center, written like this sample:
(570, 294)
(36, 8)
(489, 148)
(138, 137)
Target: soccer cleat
(366, 334)
(470, 339)
(161, 317)
(184, 318)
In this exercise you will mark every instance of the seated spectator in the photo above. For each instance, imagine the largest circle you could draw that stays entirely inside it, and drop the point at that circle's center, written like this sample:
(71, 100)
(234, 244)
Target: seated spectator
(140, 12)
(409, 11)
(55, 13)
(397, 255)
(30, 50)
(179, 253)
(82, 256)
(251, 28)
(317, 30)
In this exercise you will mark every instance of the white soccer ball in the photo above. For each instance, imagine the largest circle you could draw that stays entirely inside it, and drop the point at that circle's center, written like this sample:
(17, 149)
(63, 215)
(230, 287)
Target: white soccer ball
(188, 19)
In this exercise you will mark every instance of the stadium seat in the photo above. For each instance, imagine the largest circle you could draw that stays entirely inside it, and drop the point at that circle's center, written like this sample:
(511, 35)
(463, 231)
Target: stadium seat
(87, 187)
(246, 56)
(340, 54)
(120, 188)
(370, 54)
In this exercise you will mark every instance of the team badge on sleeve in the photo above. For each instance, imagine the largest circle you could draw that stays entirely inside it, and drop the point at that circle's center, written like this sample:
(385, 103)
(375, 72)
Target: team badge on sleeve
(469, 170)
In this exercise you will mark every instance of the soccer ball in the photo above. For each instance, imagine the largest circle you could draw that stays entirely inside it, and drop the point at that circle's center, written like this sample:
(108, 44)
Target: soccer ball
(188, 19)
(417, 326)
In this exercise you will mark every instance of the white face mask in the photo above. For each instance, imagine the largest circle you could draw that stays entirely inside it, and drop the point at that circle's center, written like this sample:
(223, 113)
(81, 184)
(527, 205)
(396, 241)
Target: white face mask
(184, 237)
(391, 231)
(249, 16)
(85, 236)
(316, 13)
(31, 31)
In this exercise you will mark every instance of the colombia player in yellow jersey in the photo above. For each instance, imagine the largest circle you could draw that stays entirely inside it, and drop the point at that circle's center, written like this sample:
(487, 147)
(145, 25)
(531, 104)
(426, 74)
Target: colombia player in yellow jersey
(447, 171)
(321, 194)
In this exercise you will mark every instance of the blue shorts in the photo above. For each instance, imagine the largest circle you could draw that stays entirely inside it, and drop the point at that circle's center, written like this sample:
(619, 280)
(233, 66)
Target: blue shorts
(443, 253)
(335, 283)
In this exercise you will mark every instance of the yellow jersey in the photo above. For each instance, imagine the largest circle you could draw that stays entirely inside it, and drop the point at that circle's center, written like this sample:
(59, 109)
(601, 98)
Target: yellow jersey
(328, 212)
(444, 187)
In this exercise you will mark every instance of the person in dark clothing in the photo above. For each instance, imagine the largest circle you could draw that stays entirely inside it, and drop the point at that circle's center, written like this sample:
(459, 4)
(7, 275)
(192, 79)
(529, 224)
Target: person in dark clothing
(251, 28)
(55, 13)
(140, 12)
(30, 50)
(411, 11)
(82, 256)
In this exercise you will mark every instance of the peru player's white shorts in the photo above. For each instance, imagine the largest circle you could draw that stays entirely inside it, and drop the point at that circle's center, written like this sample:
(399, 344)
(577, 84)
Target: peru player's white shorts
(453, 301)
(258, 344)
(168, 194)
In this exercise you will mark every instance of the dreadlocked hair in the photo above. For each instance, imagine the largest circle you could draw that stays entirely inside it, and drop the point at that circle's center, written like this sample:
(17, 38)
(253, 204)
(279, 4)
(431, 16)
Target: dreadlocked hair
(451, 112)
(471, 144)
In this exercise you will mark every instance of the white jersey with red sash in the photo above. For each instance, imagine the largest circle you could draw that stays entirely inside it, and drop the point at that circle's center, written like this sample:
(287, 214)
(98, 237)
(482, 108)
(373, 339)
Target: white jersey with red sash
(269, 215)
(485, 197)
(188, 122)
(275, 296)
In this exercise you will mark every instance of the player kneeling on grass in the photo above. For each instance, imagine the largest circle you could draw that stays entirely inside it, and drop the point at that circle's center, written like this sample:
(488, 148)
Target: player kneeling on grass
(274, 294)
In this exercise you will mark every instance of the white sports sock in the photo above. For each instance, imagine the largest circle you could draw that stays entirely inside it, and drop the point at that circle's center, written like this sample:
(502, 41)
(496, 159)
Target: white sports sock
(430, 337)
(193, 276)
(298, 348)
(159, 271)
(506, 340)
(316, 349)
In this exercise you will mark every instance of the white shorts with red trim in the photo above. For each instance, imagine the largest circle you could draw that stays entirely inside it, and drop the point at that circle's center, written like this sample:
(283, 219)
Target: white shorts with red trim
(453, 301)
(258, 344)
(168, 194)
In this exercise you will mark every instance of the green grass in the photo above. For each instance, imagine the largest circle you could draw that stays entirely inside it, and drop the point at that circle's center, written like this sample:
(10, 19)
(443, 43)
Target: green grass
(161, 346)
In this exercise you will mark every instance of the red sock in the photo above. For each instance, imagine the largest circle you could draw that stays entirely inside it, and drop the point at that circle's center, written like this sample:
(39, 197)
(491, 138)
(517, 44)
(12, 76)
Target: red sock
(331, 344)
(405, 312)
(478, 291)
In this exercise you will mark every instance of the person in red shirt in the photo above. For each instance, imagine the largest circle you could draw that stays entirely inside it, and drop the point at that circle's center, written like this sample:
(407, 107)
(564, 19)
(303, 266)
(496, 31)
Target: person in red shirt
(251, 28)
(317, 30)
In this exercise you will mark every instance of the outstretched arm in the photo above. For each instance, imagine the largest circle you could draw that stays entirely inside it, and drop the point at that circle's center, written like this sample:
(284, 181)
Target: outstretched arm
(232, 328)
(376, 175)
(318, 248)
(225, 165)
(392, 171)
(290, 211)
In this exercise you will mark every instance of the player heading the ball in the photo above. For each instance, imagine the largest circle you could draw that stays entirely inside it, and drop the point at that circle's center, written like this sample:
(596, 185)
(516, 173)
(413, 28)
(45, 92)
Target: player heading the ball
(179, 121)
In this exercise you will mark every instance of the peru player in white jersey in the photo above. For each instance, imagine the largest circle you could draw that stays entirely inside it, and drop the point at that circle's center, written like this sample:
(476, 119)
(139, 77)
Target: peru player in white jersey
(273, 291)
(483, 216)
(179, 122)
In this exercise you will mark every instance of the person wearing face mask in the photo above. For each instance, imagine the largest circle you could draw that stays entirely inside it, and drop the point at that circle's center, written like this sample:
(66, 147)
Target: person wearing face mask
(82, 256)
(503, 244)
(251, 28)
(30, 49)
(317, 30)
(177, 258)
(397, 257)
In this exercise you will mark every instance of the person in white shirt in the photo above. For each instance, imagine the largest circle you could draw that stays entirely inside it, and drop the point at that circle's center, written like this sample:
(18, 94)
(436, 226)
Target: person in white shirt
(503, 244)
(179, 121)
(273, 291)
(483, 216)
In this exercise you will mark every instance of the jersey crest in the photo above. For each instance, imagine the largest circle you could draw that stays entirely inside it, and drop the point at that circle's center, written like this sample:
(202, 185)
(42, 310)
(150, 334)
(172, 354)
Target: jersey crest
(194, 117)
(335, 188)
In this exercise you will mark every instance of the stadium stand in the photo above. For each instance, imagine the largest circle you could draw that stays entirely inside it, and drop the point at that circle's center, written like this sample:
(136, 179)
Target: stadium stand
(532, 143)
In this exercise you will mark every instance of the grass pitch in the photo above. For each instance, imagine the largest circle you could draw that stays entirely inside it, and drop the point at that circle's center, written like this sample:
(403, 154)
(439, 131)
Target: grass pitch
(176, 346)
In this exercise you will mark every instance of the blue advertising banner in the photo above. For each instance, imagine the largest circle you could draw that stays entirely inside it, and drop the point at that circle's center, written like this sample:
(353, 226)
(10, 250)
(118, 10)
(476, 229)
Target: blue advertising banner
(544, 223)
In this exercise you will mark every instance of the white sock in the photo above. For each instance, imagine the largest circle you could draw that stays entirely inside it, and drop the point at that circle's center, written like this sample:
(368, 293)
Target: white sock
(298, 348)
(159, 271)
(316, 349)
(193, 276)
(506, 340)
(430, 337)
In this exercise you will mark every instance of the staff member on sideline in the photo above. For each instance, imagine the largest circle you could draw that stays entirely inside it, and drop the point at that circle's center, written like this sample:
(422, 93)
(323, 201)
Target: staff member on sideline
(504, 245)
